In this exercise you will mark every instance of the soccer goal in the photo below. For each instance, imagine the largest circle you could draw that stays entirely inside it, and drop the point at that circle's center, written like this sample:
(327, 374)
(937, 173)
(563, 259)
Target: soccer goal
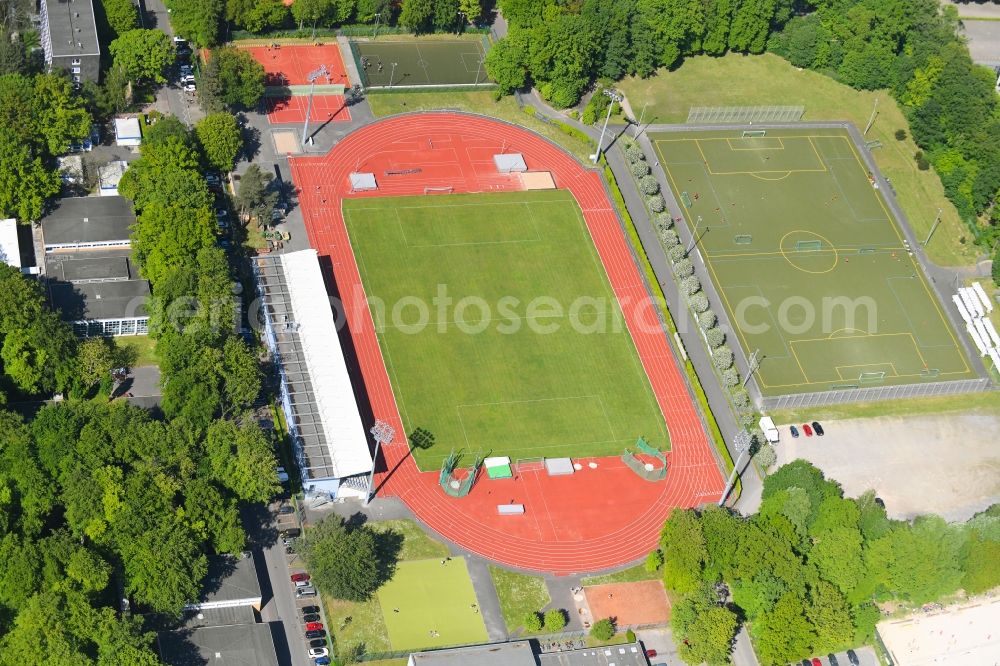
(753, 134)
(867, 250)
(743, 239)
(439, 190)
(871, 377)
(809, 245)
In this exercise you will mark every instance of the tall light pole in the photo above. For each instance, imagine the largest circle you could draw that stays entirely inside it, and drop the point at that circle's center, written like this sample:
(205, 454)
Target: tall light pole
(383, 434)
(615, 97)
(392, 75)
(458, 27)
(375, 29)
(313, 75)
(871, 120)
(934, 227)
(641, 115)
(742, 444)
(753, 365)
(694, 237)
(482, 59)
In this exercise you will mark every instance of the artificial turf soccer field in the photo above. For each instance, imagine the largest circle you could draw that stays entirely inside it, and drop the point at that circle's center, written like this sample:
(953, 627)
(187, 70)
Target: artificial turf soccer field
(791, 229)
(507, 373)
(436, 605)
(438, 62)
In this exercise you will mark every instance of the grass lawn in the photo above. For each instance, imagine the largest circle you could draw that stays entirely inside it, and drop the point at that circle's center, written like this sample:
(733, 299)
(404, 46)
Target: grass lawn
(416, 544)
(529, 357)
(386, 104)
(630, 575)
(362, 623)
(736, 80)
(144, 347)
(519, 595)
(808, 260)
(430, 604)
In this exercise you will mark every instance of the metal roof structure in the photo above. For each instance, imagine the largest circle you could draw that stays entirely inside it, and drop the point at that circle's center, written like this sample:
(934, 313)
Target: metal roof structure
(316, 386)
(231, 582)
(100, 301)
(232, 645)
(79, 222)
(501, 654)
(510, 162)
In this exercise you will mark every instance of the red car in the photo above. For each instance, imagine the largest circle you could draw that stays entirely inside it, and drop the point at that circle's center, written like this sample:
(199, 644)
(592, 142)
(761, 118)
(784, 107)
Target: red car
(817, 662)
(650, 653)
(300, 577)
(807, 429)
(314, 626)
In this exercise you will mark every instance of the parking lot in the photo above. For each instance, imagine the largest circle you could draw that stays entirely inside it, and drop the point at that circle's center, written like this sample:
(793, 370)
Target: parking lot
(945, 463)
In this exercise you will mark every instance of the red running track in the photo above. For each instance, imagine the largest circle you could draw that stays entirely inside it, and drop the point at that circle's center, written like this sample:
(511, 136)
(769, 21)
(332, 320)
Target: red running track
(598, 518)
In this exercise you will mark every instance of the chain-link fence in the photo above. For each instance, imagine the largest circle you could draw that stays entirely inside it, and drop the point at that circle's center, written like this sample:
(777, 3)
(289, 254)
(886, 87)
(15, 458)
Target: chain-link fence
(744, 114)
(873, 393)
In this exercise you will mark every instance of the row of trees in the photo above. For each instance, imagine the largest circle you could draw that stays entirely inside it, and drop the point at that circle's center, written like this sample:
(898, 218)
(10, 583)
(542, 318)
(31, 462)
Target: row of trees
(807, 570)
(203, 21)
(562, 47)
(913, 48)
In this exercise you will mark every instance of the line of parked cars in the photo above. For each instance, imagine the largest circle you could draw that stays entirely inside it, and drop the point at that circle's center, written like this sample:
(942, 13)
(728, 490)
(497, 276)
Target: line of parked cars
(832, 659)
(315, 632)
(809, 429)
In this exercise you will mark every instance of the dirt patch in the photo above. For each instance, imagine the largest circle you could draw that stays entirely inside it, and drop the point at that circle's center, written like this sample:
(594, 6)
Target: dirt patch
(644, 602)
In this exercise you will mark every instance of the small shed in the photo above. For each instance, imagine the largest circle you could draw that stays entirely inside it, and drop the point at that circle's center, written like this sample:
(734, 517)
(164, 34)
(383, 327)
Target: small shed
(127, 132)
(363, 182)
(109, 176)
(510, 163)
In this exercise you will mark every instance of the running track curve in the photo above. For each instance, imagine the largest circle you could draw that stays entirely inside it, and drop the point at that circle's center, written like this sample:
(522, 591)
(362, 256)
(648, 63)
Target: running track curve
(413, 151)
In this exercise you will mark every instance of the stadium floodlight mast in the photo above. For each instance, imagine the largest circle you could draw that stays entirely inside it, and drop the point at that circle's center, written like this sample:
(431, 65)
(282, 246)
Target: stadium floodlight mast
(615, 97)
(313, 75)
(753, 365)
(392, 76)
(479, 69)
(383, 434)
(378, 15)
(937, 221)
(741, 443)
(694, 236)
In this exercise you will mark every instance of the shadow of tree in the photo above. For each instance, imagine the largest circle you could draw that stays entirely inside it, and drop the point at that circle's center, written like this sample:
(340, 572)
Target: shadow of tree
(388, 546)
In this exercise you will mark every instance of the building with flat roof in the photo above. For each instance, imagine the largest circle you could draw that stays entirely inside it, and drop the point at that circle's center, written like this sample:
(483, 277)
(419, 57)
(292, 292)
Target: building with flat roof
(10, 248)
(317, 396)
(92, 280)
(80, 223)
(960, 635)
(69, 38)
(128, 132)
(231, 582)
(230, 645)
(108, 177)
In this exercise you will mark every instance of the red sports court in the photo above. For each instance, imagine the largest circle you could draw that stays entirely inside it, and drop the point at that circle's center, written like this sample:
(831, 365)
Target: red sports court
(599, 517)
(290, 64)
(287, 110)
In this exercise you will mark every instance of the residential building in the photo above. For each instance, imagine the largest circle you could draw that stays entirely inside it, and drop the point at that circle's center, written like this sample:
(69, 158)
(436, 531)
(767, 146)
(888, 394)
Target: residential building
(69, 38)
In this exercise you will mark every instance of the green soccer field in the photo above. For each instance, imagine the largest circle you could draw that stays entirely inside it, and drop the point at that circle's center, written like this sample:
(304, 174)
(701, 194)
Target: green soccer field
(426, 62)
(431, 604)
(499, 328)
(809, 261)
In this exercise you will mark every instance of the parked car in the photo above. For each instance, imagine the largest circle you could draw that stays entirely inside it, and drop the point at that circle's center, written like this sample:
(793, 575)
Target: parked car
(806, 662)
(318, 652)
(794, 431)
(832, 658)
(286, 509)
(853, 658)
(317, 642)
(650, 653)
(818, 428)
(313, 617)
(315, 633)
(309, 610)
(308, 591)
(282, 474)
(189, 87)
(314, 626)
(807, 430)
(816, 662)
(300, 577)
(323, 661)
(291, 533)
(212, 179)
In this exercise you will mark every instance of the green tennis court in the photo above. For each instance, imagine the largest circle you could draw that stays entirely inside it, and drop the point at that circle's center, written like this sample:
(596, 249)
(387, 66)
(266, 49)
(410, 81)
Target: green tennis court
(431, 603)
(809, 261)
(421, 62)
(499, 328)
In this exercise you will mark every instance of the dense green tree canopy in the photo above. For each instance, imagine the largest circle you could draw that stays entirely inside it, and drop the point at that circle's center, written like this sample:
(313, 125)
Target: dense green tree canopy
(220, 139)
(143, 55)
(342, 560)
(231, 79)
